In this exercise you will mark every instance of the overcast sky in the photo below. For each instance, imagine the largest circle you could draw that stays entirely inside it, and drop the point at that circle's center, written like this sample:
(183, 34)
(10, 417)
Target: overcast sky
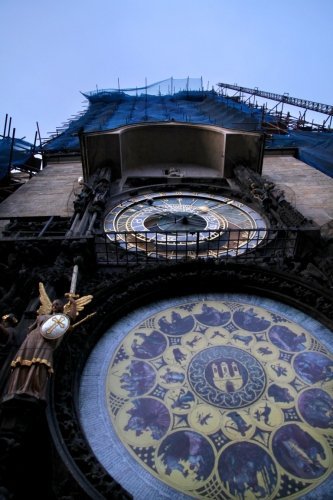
(50, 51)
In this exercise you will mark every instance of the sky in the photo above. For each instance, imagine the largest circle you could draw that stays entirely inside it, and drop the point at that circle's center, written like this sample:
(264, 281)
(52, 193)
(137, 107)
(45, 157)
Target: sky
(51, 51)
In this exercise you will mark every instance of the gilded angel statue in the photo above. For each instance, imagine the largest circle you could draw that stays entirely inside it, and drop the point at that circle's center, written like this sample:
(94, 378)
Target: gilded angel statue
(33, 364)
(60, 316)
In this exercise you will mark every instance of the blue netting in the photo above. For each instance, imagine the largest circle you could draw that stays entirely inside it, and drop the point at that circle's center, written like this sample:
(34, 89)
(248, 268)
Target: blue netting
(109, 110)
(21, 154)
(169, 86)
(186, 101)
(314, 148)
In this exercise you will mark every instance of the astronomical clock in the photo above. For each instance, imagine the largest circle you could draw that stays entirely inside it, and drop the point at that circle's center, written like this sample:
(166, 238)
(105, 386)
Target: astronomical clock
(169, 224)
(216, 395)
(195, 381)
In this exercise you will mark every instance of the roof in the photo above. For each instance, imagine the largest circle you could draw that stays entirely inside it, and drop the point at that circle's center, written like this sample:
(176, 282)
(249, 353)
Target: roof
(187, 101)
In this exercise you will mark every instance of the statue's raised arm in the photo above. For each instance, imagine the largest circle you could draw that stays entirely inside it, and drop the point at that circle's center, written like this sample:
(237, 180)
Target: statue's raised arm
(78, 304)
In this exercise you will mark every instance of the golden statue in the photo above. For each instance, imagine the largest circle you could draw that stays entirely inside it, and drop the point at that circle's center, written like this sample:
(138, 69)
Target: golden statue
(33, 364)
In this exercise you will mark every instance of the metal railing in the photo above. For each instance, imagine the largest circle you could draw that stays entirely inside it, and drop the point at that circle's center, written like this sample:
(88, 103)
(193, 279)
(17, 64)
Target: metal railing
(130, 248)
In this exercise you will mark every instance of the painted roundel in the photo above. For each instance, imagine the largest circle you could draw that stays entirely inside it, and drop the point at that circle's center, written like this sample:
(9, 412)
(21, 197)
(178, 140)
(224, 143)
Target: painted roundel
(168, 224)
(226, 376)
(216, 396)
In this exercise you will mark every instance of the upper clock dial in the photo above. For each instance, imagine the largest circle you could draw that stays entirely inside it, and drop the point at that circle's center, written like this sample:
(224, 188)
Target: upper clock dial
(172, 224)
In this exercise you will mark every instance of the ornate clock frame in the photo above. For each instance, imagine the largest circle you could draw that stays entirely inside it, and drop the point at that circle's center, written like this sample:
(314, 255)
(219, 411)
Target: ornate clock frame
(175, 223)
(141, 287)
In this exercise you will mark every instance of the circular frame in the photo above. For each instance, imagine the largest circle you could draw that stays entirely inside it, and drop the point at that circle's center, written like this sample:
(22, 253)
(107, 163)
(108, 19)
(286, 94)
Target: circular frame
(171, 223)
(119, 298)
(148, 416)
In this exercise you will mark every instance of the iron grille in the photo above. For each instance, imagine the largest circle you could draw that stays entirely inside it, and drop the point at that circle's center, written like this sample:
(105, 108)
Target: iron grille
(130, 248)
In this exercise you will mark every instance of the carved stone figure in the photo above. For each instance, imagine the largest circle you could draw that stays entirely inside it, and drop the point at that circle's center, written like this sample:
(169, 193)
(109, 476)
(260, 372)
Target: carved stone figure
(101, 193)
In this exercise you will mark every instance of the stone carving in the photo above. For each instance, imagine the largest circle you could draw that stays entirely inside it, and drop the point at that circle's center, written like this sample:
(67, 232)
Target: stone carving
(269, 197)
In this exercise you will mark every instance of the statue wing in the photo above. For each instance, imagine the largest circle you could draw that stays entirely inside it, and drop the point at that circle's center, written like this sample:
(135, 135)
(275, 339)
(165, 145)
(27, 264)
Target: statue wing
(45, 302)
(80, 303)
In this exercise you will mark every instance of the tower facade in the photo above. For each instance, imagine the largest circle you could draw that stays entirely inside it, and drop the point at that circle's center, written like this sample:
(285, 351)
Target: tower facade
(198, 232)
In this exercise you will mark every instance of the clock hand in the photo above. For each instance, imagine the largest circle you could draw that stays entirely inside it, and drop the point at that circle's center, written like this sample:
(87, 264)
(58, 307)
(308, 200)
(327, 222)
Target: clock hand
(168, 225)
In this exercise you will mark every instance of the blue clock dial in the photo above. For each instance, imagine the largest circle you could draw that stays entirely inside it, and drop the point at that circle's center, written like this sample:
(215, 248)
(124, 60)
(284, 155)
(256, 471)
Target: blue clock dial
(198, 224)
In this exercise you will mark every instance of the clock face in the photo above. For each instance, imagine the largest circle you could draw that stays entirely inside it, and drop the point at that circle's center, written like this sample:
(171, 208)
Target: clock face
(175, 224)
(214, 396)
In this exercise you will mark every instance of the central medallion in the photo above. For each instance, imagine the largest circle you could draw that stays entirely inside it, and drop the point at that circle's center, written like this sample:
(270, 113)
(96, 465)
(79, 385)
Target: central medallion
(226, 377)
(177, 221)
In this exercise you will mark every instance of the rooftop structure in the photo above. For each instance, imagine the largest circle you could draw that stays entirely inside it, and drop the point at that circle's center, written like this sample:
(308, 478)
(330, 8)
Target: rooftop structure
(186, 101)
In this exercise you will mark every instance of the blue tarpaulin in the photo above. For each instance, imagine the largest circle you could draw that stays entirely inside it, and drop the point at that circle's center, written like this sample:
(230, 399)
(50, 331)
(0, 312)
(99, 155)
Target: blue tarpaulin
(187, 101)
(13, 154)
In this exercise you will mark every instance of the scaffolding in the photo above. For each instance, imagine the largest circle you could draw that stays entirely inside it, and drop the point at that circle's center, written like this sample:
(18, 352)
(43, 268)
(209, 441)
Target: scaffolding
(243, 94)
(187, 101)
(19, 159)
